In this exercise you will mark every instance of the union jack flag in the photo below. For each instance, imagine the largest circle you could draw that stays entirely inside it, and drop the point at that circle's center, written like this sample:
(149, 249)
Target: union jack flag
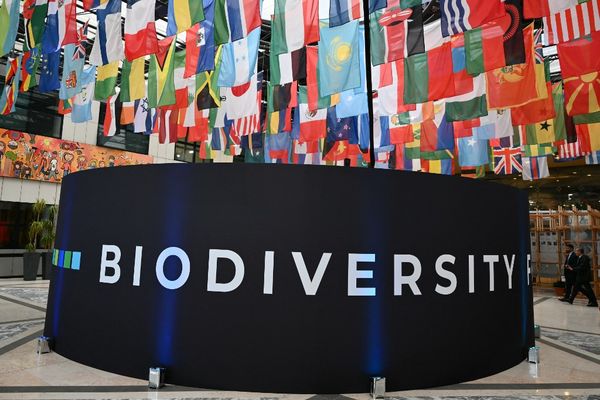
(79, 52)
(507, 161)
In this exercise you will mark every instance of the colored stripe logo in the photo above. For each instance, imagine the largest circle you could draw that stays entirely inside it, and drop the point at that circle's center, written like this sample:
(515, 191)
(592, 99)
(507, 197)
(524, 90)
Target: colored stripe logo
(66, 259)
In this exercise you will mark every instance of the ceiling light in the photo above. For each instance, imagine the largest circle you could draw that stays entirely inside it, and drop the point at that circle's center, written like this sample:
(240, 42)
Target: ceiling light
(589, 174)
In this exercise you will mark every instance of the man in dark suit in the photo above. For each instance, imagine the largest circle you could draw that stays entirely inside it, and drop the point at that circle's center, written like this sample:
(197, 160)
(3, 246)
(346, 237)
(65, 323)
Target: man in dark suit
(583, 276)
(568, 270)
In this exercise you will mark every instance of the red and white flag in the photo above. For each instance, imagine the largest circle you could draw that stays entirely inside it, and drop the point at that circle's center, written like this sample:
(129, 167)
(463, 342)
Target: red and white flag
(573, 22)
(110, 120)
(313, 124)
(140, 30)
(543, 8)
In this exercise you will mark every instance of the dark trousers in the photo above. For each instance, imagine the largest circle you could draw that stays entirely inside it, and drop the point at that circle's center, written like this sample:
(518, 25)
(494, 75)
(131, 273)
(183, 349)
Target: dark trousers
(586, 289)
(569, 283)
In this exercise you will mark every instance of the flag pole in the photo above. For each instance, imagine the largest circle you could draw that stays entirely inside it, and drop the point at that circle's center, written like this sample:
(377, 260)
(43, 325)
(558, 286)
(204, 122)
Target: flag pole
(369, 82)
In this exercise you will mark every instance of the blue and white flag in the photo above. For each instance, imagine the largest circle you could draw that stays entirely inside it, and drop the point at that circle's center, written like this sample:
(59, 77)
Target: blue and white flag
(238, 62)
(472, 152)
(82, 103)
(108, 44)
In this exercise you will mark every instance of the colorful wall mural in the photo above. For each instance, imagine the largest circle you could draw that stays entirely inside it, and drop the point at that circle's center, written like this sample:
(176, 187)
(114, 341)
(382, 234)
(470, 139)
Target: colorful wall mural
(43, 158)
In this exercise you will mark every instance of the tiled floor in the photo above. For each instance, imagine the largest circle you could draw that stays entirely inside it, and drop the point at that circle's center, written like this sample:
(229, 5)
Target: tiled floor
(569, 368)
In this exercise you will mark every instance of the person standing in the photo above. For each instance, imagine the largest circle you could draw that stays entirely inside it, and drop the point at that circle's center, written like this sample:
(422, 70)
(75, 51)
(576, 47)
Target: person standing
(583, 276)
(569, 271)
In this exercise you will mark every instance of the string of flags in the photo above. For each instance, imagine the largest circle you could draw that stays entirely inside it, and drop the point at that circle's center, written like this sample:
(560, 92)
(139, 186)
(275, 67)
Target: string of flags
(466, 93)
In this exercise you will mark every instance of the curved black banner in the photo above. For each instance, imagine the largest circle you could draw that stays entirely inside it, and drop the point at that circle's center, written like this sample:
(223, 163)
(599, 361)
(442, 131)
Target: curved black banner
(298, 279)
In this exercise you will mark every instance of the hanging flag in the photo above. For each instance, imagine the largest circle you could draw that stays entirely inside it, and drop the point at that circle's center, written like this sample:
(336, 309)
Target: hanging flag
(572, 23)
(34, 16)
(161, 84)
(9, 24)
(472, 152)
(543, 8)
(540, 133)
(462, 15)
(397, 33)
(535, 168)
(61, 25)
(341, 128)
(200, 43)
(243, 16)
(569, 151)
(339, 63)
(29, 67)
(514, 41)
(64, 107)
(537, 150)
(49, 79)
(391, 98)
(143, 120)
(10, 91)
(207, 91)
(110, 120)
(73, 60)
(106, 81)
(295, 24)
(352, 104)
(182, 14)
(132, 80)
(507, 161)
(221, 27)
(565, 124)
(312, 124)
(127, 113)
(108, 44)
(140, 29)
(580, 68)
(82, 102)
(463, 81)
(431, 75)
(583, 118)
(93, 4)
(518, 84)
(288, 67)
(437, 133)
(71, 72)
(281, 97)
(239, 58)
(536, 111)
(388, 33)
(180, 83)
(588, 136)
(344, 11)
(482, 46)
(311, 91)
(593, 158)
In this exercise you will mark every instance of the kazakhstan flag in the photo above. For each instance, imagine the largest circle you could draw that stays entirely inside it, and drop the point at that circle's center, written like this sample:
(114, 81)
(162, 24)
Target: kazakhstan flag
(339, 63)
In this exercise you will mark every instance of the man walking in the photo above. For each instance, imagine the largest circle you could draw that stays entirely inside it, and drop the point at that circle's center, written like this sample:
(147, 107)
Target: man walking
(569, 271)
(583, 276)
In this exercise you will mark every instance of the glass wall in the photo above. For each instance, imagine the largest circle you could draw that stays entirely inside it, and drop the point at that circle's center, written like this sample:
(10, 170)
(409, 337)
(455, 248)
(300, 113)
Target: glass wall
(35, 113)
(14, 221)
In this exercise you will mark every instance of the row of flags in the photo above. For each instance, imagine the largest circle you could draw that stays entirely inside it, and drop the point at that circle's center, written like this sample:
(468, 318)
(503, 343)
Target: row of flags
(468, 92)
